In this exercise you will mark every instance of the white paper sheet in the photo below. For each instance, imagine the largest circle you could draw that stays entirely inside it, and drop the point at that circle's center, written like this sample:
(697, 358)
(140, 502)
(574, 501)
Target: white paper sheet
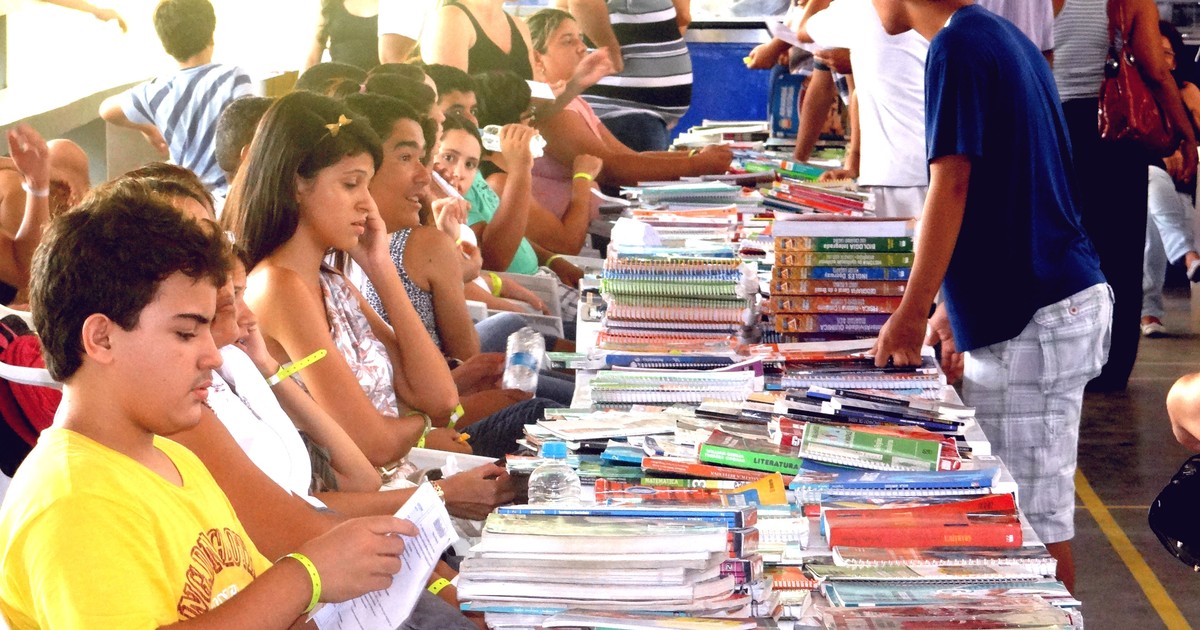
(389, 608)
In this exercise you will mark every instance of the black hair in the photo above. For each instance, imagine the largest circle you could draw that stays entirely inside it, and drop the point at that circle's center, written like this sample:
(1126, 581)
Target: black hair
(418, 95)
(185, 27)
(383, 111)
(235, 130)
(449, 79)
(458, 121)
(322, 76)
(503, 98)
(1183, 64)
(299, 135)
(108, 256)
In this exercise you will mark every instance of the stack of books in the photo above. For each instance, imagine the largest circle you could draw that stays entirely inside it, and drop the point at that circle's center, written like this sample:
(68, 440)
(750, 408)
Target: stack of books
(671, 299)
(794, 196)
(838, 278)
(541, 561)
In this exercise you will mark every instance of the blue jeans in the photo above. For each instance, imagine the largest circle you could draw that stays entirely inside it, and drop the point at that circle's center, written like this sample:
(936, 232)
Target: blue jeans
(493, 337)
(496, 435)
(638, 131)
(1168, 238)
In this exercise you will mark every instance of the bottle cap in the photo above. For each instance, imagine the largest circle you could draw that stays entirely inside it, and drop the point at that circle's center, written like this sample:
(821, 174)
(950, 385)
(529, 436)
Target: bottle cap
(554, 450)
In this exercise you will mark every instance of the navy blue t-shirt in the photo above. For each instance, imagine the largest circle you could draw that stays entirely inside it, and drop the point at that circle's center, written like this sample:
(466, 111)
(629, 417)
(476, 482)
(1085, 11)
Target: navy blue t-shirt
(990, 96)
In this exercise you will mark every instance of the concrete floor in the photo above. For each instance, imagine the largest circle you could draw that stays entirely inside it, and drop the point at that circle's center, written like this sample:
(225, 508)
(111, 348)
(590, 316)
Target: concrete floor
(1127, 453)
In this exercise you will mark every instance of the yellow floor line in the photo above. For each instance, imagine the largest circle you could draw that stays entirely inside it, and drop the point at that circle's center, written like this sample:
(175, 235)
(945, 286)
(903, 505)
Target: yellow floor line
(1162, 602)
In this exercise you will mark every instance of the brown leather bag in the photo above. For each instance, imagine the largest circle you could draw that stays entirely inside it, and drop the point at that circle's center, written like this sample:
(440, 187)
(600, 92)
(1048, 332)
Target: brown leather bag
(1128, 109)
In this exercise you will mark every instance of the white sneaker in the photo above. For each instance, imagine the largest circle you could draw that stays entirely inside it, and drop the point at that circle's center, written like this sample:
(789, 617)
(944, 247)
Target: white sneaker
(1153, 328)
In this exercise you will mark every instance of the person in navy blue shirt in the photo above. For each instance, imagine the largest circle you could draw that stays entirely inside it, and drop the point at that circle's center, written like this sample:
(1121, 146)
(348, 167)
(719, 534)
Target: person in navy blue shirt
(1025, 311)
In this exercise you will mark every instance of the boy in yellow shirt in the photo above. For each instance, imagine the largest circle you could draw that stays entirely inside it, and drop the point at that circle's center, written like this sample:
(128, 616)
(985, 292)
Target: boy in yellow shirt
(108, 525)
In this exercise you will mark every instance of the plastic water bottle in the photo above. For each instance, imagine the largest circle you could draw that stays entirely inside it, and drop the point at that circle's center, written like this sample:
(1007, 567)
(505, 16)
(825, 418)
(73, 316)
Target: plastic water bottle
(554, 481)
(525, 350)
(490, 137)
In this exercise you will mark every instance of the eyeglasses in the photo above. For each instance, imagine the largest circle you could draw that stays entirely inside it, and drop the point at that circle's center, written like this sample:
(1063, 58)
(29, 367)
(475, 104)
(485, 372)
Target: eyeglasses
(1175, 514)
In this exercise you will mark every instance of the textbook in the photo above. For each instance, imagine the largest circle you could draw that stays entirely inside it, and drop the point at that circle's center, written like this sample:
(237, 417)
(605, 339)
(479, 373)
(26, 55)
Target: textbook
(566, 534)
(832, 304)
(697, 469)
(841, 273)
(989, 521)
(729, 516)
(842, 244)
(622, 621)
(835, 226)
(729, 450)
(1013, 612)
(862, 288)
(873, 447)
(895, 483)
(573, 588)
(922, 573)
(859, 594)
(844, 259)
(1034, 558)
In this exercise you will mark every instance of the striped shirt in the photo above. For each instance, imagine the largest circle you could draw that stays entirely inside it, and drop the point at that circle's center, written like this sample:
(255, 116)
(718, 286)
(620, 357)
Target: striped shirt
(658, 69)
(1081, 38)
(184, 106)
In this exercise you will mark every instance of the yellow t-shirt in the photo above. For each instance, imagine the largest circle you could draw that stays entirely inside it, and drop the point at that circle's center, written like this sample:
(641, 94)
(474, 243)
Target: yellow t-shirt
(89, 538)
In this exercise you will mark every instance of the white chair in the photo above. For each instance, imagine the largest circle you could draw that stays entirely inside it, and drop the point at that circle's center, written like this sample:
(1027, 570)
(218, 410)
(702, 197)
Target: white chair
(28, 376)
(25, 316)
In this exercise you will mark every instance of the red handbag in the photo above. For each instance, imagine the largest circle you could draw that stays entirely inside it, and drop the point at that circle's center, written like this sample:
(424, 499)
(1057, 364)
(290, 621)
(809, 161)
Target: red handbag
(1128, 109)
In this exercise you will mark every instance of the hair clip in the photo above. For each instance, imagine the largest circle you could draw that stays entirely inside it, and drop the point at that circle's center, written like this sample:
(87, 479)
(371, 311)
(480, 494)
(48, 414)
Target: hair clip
(334, 128)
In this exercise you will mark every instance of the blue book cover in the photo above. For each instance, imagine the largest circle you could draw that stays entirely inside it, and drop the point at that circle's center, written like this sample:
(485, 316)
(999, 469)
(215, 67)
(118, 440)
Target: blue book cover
(887, 480)
(733, 516)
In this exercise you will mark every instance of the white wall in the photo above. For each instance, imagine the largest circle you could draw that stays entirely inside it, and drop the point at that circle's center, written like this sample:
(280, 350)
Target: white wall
(56, 55)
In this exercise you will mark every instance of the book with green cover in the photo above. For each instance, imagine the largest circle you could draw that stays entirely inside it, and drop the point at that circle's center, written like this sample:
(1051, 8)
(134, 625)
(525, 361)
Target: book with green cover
(865, 449)
(740, 452)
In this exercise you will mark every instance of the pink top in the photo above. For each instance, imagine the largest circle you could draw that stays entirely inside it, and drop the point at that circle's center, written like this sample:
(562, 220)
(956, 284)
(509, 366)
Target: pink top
(552, 179)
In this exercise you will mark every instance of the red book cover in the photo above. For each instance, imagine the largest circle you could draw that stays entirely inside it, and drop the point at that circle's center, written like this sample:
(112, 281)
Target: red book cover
(989, 521)
(703, 471)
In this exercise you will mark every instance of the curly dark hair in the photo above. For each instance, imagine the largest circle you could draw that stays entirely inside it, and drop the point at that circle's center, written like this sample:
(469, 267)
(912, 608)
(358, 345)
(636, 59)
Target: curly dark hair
(108, 255)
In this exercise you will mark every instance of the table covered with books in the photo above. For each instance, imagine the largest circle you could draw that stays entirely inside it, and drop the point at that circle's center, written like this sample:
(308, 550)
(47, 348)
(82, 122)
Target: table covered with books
(745, 464)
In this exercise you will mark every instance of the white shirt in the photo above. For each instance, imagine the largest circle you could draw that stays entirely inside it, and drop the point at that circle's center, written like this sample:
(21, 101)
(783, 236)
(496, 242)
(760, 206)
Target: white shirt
(257, 422)
(1035, 18)
(889, 79)
(404, 17)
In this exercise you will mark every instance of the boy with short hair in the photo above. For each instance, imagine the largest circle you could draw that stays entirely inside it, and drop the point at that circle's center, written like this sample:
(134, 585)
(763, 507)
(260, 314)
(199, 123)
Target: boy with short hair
(456, 91)
(177, 113)
(1023, 294)
(106, 524)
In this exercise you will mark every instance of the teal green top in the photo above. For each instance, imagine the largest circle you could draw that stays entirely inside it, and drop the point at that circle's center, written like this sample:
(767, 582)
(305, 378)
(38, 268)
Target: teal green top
(484, 202)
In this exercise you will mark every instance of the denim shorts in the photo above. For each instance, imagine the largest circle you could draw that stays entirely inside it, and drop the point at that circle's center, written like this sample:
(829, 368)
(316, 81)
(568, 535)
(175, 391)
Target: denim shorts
(1028, 393)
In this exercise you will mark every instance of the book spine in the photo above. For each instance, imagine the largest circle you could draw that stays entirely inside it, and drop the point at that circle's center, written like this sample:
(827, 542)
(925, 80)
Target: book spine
(833, 304)
(713, 484)
(743, 542)
(840, 273)
(660, 464)
(936, 535)
(842, 244)
(863, 288)
(752, 460)
(612, 490)
(830, 323)
(843, 259)
(743, 570)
